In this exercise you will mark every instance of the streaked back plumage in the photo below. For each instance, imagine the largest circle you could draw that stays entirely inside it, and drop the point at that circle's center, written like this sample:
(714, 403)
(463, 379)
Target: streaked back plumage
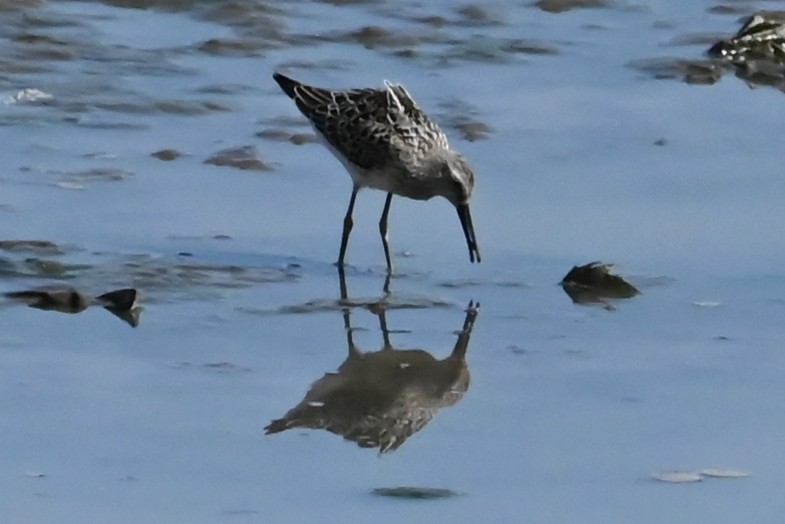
(370, 127)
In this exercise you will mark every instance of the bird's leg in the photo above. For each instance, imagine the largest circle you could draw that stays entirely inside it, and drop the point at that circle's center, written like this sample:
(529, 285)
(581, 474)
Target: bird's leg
(382, 314)
(383, 231)
(346, 309)
(342, 283)
(347, 226)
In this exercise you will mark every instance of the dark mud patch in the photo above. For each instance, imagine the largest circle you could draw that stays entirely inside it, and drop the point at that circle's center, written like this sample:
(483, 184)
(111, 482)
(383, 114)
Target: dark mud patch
(726, 9)
(169, 5)
(468, 283)
(189, 108)
(168, 107)
(280, 135)
(40, 268)
(231, 47)
(167, 154)
(415, 493)
(754, 73)
(259, 26)
(285, 121)
(67, 300)
(218, 368)
(435, 45)
(122, 303)
(374, 36)
(528, 47)
(105, 125)
(701, 72)
(340, 3)
(488, 49)
(197, 238)
(40, 247)
(331, 64)
(32, 42)
(164, 277)
(76, 104)
(41, 52)
(762, 73)
(11, 66)
(474, 15)
(243, 158)
(18, 5)
(560, 6)
(327, 305)
(45, 264)
(462, 117)
(78, 179)
(81, 178)
(38, 39)
(243, 13)
(521, 351)
(36, 268)
(160, 278)
(696, 39)
(226, 89)
(470, 15)
(436, 21)
(473, 131)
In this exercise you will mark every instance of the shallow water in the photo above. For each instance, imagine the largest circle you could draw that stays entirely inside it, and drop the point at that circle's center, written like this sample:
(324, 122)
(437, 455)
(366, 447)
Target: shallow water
(585, 156)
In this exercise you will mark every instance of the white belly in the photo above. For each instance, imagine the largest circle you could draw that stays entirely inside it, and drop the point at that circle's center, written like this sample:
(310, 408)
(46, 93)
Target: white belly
(387, 180)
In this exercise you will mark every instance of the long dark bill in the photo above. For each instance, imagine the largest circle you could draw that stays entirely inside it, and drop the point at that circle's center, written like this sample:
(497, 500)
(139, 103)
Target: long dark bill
(468, 232)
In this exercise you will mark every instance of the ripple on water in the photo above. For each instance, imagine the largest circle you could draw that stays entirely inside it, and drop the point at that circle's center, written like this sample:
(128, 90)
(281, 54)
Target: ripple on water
(324, 305)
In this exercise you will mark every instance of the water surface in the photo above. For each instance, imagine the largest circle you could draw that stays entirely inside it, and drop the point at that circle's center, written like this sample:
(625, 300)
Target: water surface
(584, 155)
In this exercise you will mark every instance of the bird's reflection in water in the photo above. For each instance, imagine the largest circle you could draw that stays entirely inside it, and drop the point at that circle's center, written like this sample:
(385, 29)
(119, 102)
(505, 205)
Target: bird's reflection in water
(379, 399)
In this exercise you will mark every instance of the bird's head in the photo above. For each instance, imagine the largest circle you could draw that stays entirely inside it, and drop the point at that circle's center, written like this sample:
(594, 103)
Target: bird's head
(457, 178)
(457, 185)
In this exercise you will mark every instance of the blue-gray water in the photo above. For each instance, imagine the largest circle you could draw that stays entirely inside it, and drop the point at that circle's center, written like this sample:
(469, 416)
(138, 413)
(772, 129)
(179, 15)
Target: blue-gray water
(570, 408)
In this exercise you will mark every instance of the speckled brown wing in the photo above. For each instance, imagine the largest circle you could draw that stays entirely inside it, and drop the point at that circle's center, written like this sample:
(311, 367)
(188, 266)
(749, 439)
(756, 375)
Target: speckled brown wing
(370, 127)
(413, 126)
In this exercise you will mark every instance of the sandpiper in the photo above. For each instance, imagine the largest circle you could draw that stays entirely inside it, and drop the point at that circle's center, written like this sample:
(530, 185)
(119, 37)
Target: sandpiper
(385, 141)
